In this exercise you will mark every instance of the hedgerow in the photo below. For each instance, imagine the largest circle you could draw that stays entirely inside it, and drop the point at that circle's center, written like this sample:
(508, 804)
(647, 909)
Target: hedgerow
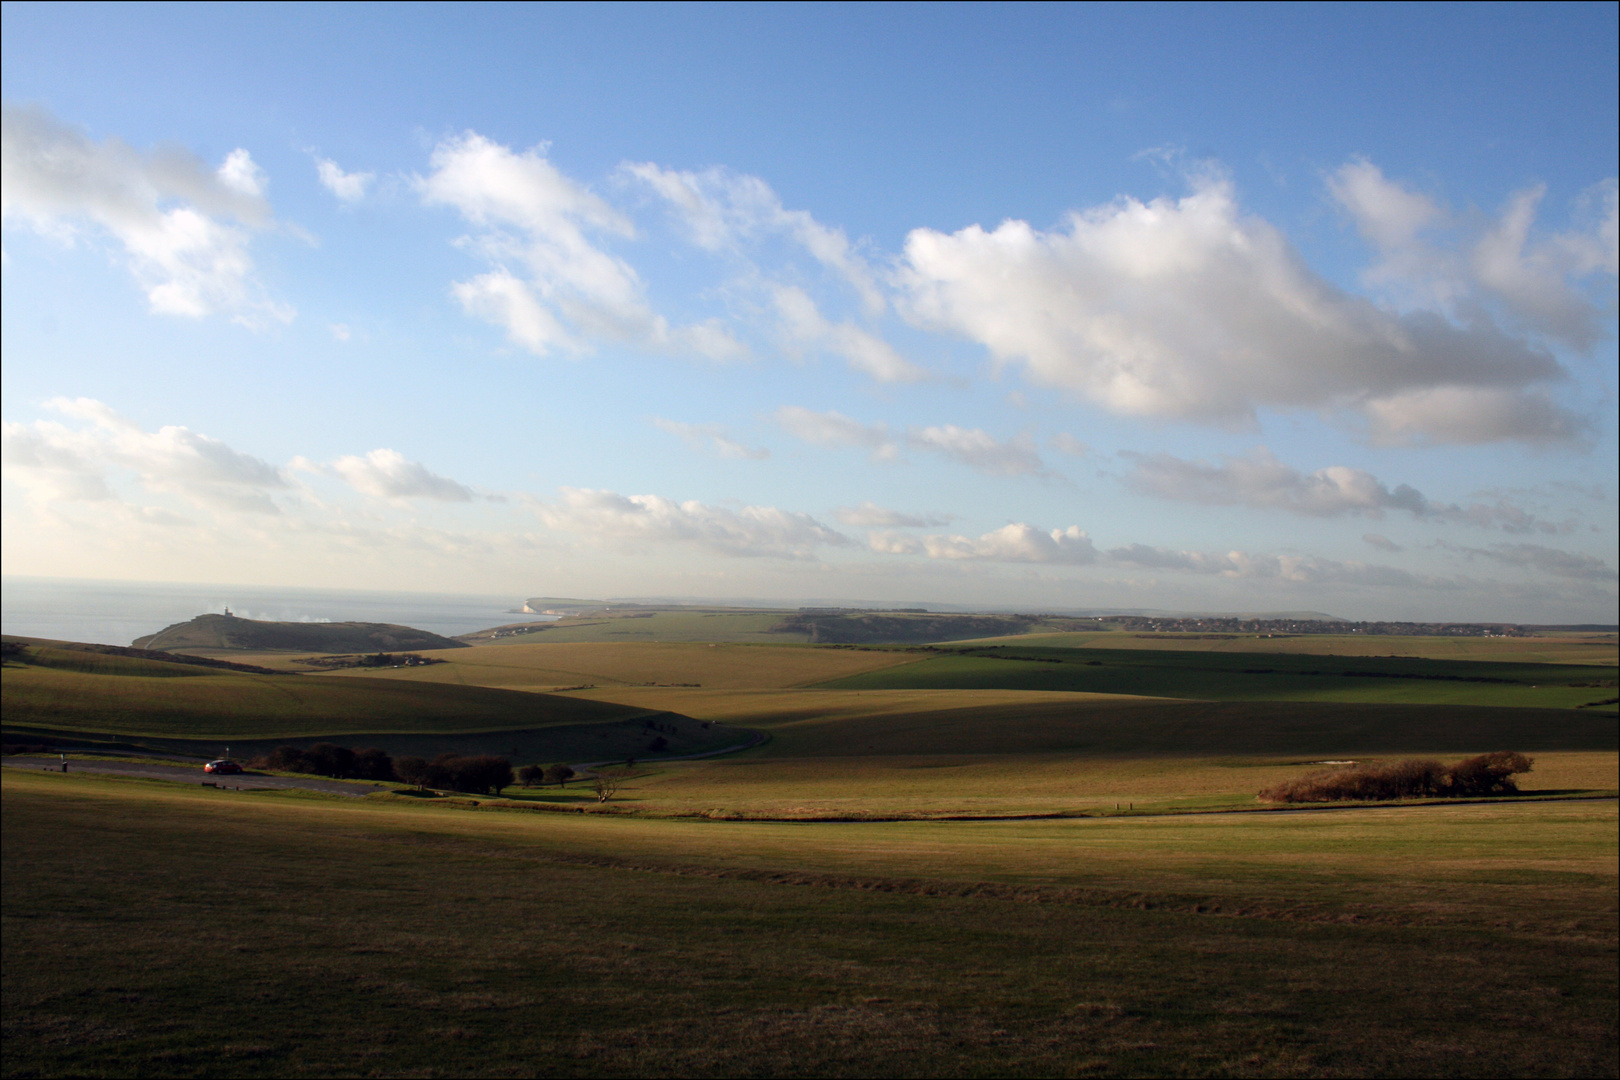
(1414, 778)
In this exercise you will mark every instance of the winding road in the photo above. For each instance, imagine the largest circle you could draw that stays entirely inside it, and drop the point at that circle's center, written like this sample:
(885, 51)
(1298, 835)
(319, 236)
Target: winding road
(247, 781)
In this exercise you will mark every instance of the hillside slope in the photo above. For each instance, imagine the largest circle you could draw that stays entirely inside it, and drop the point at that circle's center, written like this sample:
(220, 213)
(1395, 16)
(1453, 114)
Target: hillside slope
(65, 691)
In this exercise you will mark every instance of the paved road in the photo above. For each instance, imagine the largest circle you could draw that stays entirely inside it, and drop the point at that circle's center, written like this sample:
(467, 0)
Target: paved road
(246, 781)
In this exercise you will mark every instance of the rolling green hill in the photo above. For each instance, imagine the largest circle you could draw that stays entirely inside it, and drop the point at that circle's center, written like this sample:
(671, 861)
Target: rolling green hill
(63, 691)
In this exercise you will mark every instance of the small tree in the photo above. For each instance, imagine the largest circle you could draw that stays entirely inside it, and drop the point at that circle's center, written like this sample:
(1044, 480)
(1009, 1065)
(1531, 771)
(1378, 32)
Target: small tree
(530, 775)
(372, 763)
(606, 785)
(496, 773)
(481, 774)
(412, 770)
(330, 759)
(440, 773)
(559, 774)
(286, 759)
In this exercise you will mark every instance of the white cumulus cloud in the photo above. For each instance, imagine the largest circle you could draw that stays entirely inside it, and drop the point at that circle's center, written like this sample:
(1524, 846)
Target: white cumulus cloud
(1462, 264)
(184, 228)
(1015, 543)
(347, 186)
(387, 474)
(650, 522)
(572, 289)
(1191, 309)
(57, 462)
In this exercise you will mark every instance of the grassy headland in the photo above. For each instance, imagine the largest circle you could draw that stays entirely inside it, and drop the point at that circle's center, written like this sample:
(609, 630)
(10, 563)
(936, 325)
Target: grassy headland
(227, 633)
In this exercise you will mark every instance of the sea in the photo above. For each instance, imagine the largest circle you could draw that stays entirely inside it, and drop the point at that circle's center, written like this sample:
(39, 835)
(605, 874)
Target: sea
(118, 612)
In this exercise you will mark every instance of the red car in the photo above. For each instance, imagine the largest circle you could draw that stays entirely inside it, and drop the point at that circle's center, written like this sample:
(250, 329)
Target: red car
(223, 765)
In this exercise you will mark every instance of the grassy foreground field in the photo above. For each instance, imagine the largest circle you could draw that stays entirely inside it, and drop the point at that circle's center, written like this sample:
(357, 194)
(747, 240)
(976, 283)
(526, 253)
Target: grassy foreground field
(151, 928)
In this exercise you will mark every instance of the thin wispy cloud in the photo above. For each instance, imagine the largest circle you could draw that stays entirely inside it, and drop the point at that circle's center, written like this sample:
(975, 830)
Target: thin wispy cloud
(711, 438)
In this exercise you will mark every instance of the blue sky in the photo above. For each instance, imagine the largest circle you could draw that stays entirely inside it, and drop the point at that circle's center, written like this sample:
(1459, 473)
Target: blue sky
(1213, 308)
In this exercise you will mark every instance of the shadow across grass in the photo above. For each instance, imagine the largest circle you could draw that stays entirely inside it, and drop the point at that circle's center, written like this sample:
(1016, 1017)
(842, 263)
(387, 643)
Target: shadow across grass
(361, 938)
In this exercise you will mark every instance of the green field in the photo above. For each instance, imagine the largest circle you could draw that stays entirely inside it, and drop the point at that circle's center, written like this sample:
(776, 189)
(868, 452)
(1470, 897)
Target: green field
(935, 752)
(1246, 677)
(640, 664)
(1568, 648)
(731, 626)
(124, 697)
(153, 928)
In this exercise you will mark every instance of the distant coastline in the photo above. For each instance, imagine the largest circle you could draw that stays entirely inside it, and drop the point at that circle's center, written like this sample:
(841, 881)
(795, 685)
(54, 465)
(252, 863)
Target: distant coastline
(117, 612)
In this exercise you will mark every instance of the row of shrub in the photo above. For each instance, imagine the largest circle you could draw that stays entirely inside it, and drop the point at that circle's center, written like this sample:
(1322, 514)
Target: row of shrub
(329, 759)
(484, 774)
(481, 774)
(9, 747)
(1415, 778)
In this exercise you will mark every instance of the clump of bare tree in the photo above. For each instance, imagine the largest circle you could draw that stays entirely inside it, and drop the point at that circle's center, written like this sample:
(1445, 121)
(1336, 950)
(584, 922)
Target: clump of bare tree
(1415, 778)
(329, 759)
(480, 774)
